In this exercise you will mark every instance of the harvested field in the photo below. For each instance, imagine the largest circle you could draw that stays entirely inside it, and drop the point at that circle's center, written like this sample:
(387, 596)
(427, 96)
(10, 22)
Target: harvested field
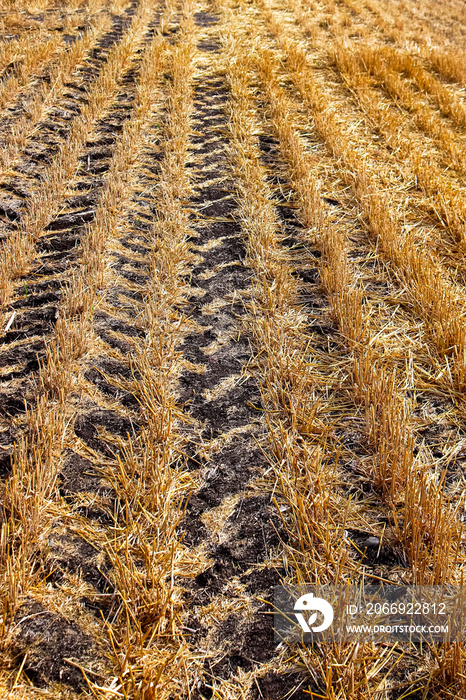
(233, 340)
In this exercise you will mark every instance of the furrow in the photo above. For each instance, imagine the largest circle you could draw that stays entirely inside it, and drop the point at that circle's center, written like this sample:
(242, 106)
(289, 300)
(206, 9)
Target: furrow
(229, 521)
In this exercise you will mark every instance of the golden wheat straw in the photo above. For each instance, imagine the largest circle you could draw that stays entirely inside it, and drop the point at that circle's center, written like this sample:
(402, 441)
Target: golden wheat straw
(277, 326)
(448, 61)
(446, 197)
(154, 499)
(388, 63)
(19, 15)
(426, 521)
(426, 117)
(168, 14)
(307, 479)
(151, 490)
(30, 493)
(72, 336)
(33, 62)
(18, 252)
(15, 50)
(16, 136)
(387, 413)
(434, 296)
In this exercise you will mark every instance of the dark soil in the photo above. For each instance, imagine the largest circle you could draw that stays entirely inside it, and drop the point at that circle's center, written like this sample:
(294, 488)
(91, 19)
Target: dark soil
(48, 645)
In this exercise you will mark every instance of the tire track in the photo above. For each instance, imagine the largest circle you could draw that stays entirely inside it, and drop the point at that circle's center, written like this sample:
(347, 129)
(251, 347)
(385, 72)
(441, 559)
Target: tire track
(107, 412)
(52, 123)
(38, 293)
(229, 519)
